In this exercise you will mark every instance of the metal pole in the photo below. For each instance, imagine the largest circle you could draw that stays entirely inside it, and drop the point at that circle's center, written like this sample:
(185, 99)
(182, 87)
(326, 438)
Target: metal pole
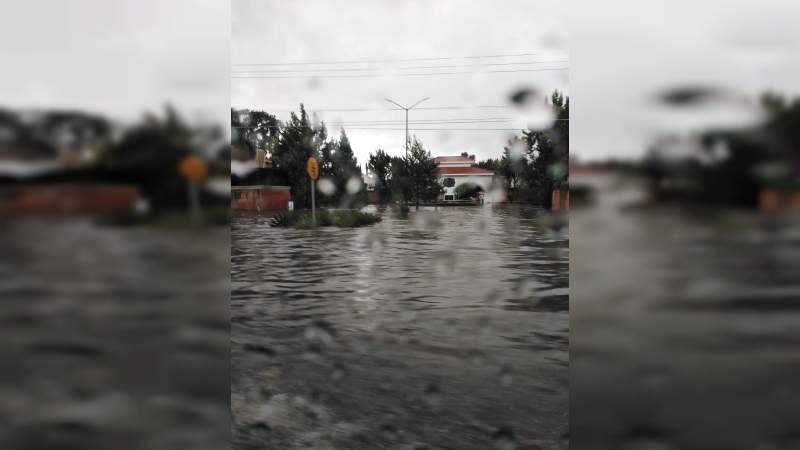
(194, 201)
(406, 132)
(313, 206)
(406, 110)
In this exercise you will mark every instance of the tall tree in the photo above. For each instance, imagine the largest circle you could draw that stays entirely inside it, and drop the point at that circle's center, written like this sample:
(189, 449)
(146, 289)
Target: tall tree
(399, 180)
(548, 154)
(379, 165)
(423, 174)
(489, 164)
(326, 150)
(297, 142)
(345, 164)
(253, 130)
(513, 165)
(148, 155)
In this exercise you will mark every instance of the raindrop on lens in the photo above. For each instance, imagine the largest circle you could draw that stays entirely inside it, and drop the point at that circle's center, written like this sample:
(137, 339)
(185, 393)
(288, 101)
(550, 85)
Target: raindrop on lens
(504, 439)
(646, 439)
(338, 372)
(432, 394)
(326, 186)
(686, 96)
(505, 376)
(388, 427)
(477, 359)
(353, 185)
(557, 170)
(319, 333)
(522, 96)
(518, 149)
(532, 109)
(313, 83)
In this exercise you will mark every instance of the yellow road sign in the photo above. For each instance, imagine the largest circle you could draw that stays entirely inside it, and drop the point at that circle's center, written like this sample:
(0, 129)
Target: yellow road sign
(193, 168)
(312, 168)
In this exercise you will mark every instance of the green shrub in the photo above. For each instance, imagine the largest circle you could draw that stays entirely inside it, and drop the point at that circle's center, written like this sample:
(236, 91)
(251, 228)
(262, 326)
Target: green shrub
(284, 219)
(467, 190)
(326, 218)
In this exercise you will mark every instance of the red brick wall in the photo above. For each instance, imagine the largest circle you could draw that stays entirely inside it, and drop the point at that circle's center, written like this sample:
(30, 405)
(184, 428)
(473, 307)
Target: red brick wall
(560, 200)
(778, 200)
(68, 198)
(260, 198)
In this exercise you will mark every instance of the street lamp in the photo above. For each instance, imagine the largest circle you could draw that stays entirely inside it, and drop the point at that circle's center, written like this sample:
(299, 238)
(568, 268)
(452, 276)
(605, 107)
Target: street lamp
(407, 109)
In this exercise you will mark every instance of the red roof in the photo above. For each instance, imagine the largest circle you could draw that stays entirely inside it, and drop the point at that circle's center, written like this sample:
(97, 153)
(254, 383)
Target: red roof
(453, 159)
(464, 171)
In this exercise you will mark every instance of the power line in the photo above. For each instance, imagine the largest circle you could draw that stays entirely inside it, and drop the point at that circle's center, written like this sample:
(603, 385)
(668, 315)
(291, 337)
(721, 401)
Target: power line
(367, 69)
(385, 60)
(396, 129)
(372, 124)
(418, 122)
(426, 129)
(396, 109)
(400, 74)
(430, 121)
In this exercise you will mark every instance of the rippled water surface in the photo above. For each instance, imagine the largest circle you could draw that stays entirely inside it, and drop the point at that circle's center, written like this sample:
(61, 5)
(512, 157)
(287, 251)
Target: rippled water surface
(448, 328)
(113, 337)
(685, 328)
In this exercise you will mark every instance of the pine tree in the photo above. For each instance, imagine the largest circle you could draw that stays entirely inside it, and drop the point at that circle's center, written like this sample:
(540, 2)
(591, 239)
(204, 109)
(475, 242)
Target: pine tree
(423, 174)
(380, 166)
(296, 144)
(548, 154)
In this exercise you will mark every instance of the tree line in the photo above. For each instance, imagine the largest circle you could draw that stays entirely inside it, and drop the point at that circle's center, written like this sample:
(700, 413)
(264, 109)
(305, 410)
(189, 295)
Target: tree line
(732, 167)
(532, 165)
(288, 145)
(535, 163)
(145, 153)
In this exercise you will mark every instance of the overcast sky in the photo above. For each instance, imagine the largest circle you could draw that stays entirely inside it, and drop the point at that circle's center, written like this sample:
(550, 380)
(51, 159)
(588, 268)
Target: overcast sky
(123, 57)
(117, 57)
(624, 56)
(280, 34)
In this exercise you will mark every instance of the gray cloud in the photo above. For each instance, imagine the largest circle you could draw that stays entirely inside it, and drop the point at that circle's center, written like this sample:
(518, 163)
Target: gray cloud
(269, 32)
(117, 57)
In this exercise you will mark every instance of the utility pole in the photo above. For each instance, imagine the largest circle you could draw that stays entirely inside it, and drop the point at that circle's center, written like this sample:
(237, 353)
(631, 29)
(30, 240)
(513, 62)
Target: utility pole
(406, 110)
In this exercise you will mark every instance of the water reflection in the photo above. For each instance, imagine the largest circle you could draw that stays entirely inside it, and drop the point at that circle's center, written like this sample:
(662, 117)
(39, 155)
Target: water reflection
(113, 337)
(447, 328)
(685, 326)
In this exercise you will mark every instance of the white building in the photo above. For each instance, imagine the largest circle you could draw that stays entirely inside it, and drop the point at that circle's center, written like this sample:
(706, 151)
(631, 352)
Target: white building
(457, 170)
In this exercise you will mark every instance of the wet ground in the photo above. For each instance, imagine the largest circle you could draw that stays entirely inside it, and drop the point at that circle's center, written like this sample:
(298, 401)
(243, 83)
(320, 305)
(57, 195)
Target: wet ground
(685, 328)
(446, 329)
(113, 337)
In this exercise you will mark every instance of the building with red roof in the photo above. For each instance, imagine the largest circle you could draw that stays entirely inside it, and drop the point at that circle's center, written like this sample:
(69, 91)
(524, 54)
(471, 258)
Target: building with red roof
(455, 171)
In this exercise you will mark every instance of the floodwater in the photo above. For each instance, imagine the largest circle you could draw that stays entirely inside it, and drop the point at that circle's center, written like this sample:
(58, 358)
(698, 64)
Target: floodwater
(113, 337)
(446, 329)
(685, 328)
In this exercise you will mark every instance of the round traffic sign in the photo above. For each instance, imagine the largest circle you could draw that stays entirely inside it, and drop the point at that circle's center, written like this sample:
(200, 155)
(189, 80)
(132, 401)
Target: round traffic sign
(312, 168)
(193, 168)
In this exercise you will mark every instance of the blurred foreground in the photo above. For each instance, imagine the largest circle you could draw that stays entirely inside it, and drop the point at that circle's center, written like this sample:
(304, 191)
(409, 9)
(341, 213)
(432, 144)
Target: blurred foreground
(685, 326)
(113, 337)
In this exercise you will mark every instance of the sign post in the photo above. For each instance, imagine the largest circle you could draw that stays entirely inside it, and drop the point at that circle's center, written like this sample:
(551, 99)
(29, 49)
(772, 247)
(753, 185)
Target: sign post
(313, 173)
(194, 169)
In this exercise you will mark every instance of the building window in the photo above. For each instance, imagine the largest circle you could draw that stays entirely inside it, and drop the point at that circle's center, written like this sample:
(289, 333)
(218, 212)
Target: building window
(449, 182)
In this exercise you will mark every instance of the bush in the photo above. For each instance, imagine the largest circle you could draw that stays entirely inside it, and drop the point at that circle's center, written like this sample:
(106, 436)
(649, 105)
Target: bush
(284, 219)
(325, 218)
(467, 190)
